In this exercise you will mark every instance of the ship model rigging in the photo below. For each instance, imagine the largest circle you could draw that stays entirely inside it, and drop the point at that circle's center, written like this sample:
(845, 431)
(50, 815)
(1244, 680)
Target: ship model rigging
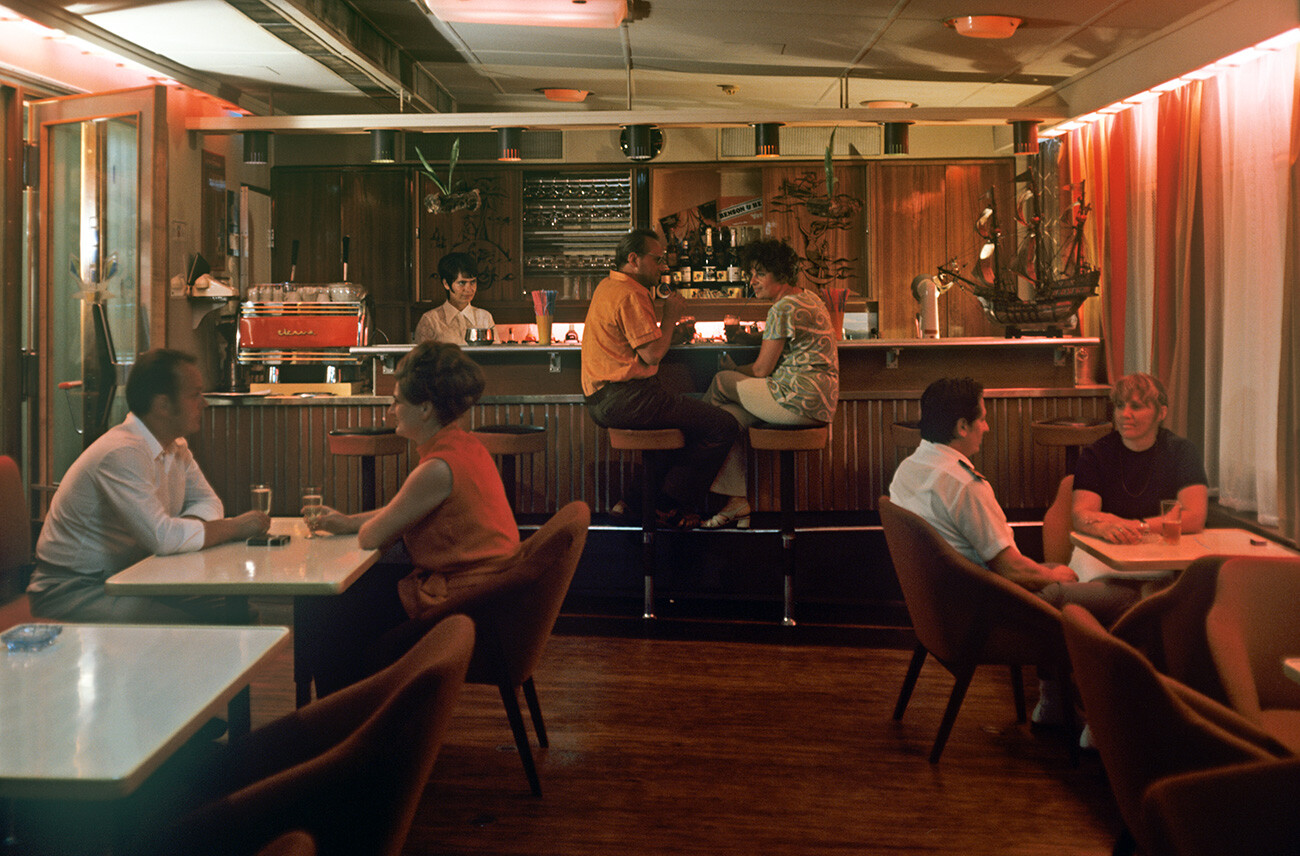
(1043, 282)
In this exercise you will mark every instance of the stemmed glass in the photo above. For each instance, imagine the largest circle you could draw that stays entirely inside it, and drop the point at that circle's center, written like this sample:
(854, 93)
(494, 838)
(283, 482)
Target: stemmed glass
(313, 509)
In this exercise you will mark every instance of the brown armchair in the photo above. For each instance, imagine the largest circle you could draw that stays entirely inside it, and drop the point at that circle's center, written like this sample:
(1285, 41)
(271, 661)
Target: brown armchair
(1168, 628)
(1058, 523)
(515, 614)
(967, 616)
(1244, 809)
(1251, 627)
(1147, 726)
(348, 769)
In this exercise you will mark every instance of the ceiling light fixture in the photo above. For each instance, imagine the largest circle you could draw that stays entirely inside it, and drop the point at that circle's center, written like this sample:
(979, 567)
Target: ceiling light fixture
(569, 95)
(896, 138)
(767, 140)
(641, 142)
(257, 147)
(985, 26)
(888, 105)
(1025, 137)
(509, 144)
(606, 14)
(383, 145)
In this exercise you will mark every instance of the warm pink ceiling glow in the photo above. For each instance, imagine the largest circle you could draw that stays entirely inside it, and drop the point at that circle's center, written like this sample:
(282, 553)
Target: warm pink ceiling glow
(531, 13)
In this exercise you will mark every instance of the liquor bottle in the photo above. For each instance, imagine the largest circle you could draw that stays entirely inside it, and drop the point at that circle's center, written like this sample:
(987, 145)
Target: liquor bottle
(697, 261)
(670, 253)
(732, 261)
(710, 265)
(683, 277)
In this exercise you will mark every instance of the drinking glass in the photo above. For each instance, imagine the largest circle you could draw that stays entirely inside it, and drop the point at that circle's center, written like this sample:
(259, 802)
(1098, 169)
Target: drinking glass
(1171, 520)
(262, 498)
(313, 508)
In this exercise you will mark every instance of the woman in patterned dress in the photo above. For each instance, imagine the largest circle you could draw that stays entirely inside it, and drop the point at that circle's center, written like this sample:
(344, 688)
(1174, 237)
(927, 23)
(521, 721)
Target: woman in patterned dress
(795, 379)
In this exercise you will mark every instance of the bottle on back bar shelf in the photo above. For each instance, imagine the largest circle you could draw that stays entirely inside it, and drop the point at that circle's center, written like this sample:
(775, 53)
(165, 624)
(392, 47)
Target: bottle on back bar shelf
(710, 264)
(683, 277)
(697, 261)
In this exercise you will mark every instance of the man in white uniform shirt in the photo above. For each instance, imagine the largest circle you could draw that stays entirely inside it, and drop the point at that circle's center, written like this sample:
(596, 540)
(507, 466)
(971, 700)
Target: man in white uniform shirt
(449, 321)
(939, 483)
(135, 492)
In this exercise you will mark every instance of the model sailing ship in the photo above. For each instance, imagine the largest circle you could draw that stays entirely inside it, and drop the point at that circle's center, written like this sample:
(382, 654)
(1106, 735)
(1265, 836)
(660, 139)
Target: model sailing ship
(1046, 279)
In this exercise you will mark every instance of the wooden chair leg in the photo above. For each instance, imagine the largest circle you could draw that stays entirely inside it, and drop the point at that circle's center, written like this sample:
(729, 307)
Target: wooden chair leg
(909, 682)
(1018, 692)
(963, 679)
(535, 710)
(511, 702)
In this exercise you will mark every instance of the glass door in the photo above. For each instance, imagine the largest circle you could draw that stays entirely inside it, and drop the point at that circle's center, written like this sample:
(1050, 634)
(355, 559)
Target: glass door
(97, 296)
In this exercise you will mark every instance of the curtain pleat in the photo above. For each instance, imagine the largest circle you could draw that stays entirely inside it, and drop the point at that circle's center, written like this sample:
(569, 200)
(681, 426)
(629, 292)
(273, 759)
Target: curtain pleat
(1288, 411)
(1176, 283)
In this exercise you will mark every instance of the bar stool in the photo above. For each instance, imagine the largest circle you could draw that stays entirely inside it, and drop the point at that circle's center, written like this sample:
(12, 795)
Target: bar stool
(650, 442)
(507, 442)
(786, 440)
(1070, 433)
(367, 443)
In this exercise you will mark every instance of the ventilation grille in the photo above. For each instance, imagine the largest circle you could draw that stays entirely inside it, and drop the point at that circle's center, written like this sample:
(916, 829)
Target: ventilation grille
(805, 142)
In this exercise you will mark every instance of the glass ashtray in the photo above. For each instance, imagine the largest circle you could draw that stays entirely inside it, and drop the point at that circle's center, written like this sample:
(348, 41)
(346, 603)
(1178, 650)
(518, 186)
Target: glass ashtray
(30, 637)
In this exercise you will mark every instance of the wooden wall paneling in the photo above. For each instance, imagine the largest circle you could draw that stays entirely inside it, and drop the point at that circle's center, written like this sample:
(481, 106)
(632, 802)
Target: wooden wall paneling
(828, 234)
(376, 216)
(305, 208)
(964, 188)
(907, 238)
(492, 234)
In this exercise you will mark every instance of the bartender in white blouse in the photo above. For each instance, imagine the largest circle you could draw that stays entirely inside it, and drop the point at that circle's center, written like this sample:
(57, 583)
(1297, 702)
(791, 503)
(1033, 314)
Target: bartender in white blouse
(449, 321)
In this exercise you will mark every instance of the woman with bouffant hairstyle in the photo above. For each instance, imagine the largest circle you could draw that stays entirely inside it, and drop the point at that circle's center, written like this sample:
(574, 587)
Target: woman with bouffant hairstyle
(451, 515)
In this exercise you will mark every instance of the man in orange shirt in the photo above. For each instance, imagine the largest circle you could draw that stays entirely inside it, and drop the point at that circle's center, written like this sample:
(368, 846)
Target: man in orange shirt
(623, 341)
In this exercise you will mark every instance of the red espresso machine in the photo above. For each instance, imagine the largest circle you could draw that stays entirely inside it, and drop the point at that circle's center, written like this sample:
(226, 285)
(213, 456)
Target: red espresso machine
(294, 337)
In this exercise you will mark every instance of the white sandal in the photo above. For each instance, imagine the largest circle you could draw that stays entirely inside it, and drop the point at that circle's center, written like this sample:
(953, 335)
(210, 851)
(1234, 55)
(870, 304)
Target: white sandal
(738, 517)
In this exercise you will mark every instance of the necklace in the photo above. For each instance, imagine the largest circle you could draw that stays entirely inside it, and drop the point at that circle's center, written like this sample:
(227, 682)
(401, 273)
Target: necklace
(1146, 482)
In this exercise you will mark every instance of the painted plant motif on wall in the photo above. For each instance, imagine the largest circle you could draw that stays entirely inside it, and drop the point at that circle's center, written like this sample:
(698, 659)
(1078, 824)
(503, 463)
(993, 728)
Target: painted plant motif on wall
(821, 224)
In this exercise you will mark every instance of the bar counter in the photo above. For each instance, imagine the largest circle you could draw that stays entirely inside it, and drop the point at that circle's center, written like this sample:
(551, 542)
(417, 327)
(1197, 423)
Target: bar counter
(280, 440)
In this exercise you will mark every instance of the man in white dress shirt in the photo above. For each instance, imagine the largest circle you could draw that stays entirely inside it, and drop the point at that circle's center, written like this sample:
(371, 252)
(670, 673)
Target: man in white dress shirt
(449, 321)
(136, 492)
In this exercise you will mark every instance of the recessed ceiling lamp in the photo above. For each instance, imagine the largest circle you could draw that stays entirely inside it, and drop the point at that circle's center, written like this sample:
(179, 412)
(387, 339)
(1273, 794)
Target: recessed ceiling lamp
(767, 140)
(889, 105)
(571, 95)
(509, 143)
(985, 26)
(606, 14)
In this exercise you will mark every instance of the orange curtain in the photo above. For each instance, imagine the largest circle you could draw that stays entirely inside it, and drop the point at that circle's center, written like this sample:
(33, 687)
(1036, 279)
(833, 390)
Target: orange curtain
(1178, 282)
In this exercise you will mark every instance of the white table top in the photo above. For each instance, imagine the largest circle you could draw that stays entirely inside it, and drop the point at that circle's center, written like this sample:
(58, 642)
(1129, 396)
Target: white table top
(1291, 665)
(1154, 557)
(322, 565)
(97, 711)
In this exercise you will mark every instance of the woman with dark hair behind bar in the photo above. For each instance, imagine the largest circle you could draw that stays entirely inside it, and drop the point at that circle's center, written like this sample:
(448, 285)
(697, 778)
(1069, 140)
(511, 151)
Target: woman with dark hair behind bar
(451, 514)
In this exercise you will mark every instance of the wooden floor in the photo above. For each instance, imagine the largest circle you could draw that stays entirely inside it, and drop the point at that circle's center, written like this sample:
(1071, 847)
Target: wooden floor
(682, 747)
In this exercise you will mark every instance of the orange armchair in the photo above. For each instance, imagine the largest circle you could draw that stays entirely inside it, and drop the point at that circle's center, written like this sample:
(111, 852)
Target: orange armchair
(514, 613)
(1250, 628)
(1147, 726)
(348, 769)
(966, 616)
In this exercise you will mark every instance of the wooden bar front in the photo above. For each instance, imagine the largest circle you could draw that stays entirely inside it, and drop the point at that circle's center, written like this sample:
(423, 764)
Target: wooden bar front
(281, 441)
